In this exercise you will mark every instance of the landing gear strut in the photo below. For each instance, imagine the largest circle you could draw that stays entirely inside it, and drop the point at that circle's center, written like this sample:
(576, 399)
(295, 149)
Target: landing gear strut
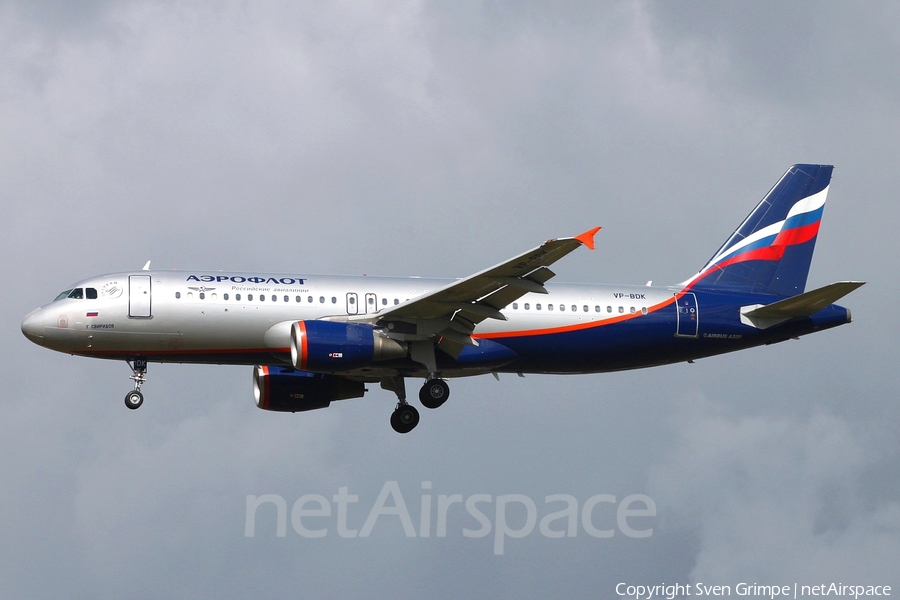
(135, 398)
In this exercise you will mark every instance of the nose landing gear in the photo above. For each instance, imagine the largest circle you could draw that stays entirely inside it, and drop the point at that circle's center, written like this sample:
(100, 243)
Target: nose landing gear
(135, 398)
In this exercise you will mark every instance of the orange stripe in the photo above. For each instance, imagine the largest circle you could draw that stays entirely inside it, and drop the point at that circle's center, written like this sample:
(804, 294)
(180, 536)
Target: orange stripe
(190, 352)
(566, 328)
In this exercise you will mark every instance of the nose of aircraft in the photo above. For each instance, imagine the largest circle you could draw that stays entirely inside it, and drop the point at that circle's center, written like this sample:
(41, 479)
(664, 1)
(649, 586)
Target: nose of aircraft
(32, 326)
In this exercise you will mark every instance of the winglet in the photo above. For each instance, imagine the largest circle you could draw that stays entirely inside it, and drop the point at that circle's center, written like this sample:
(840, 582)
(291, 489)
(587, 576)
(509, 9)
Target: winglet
(587, 238)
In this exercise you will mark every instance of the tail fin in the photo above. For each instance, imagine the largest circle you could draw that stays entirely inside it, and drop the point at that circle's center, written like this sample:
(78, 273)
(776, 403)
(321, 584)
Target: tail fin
(771, 251)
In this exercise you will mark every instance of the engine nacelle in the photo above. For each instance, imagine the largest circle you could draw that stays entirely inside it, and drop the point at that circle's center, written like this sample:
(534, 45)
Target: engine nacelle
(286, 390)
(334, 346)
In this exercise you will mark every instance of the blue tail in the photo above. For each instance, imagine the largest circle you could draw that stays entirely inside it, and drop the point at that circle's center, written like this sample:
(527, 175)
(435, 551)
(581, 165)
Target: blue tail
(771, 251)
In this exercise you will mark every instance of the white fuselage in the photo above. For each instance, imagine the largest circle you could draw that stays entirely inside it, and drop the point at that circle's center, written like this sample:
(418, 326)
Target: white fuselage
(189, 316)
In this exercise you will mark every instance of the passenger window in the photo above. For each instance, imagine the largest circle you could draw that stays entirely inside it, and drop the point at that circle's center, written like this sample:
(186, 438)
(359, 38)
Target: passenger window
(249, 297)
(225, 296)
(91, 293)
(632, 310)
(177, 295)
(396, 301)
(643, 310)
(333, 300)
(384, 301)
(537, 307)
(237, 297)
(621, 309)
(202, 296)
(597, 308)
(298, 298)
(321, 299)
(609, 309)
(586, 308)
(262, 298)
(575, 308)
(309, 299)
(562, 307)
(77, 294)
(515, 306)
(549, 307)
(527, 306)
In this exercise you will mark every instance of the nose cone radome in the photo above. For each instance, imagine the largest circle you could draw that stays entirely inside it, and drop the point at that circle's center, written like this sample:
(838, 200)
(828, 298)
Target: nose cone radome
(33, 327)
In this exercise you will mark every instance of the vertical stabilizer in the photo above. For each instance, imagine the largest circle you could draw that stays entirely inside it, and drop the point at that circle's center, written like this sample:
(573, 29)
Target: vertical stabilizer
(772, 249)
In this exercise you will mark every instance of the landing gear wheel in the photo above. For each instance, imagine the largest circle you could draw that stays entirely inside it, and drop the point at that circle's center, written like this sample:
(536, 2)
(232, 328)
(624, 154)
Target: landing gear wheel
(434, 393)
(134, 399)
(404, 418)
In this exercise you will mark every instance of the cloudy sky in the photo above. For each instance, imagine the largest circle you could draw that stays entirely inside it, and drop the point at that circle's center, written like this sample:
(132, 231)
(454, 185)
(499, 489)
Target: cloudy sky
(436, 139)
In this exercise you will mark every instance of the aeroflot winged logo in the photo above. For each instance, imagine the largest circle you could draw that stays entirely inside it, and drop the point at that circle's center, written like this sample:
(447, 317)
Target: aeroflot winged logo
(243, 279)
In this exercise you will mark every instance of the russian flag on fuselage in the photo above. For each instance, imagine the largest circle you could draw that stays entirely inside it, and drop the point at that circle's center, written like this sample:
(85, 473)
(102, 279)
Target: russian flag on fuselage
(772, 249)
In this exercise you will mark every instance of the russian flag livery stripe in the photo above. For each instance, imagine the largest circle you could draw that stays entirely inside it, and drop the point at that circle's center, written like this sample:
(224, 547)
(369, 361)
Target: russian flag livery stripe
(92, 314)
(772, 249)
(769, 243)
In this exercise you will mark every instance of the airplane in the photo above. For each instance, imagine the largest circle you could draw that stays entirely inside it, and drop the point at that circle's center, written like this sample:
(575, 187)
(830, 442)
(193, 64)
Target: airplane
(315, 339)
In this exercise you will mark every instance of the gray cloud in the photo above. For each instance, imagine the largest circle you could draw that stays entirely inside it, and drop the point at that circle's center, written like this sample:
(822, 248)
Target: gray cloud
(782, 500)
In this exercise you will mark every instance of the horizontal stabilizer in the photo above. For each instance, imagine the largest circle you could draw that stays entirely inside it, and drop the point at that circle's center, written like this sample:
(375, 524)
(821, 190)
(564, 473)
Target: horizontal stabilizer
(803, 305)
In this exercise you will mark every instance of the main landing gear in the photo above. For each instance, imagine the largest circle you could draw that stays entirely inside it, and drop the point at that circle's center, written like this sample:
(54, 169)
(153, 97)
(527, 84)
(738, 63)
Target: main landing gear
(405, 416)
(434, 393)
(135, 398)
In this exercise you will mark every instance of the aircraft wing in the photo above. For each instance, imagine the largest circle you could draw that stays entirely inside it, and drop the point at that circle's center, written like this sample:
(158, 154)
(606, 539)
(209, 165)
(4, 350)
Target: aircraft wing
(453, 311)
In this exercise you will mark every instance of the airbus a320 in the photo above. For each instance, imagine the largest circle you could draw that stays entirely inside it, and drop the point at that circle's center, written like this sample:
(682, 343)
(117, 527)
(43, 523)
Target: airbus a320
(315, 339)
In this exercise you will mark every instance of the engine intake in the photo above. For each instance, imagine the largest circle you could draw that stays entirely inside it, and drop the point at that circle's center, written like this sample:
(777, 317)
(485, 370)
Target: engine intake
(287, 390)
(334, 346)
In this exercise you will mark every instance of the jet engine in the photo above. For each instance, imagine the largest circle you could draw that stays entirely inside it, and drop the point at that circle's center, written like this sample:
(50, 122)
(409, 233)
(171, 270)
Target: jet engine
(286, 390)
(334, 346)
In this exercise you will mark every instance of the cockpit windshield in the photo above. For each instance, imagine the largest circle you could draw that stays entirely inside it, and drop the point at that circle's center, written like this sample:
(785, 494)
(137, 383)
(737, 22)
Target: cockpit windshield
(78, 294)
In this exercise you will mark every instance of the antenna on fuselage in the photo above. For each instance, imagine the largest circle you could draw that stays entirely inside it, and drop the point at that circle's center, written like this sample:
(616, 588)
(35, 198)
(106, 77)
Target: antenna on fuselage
(146, 267)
